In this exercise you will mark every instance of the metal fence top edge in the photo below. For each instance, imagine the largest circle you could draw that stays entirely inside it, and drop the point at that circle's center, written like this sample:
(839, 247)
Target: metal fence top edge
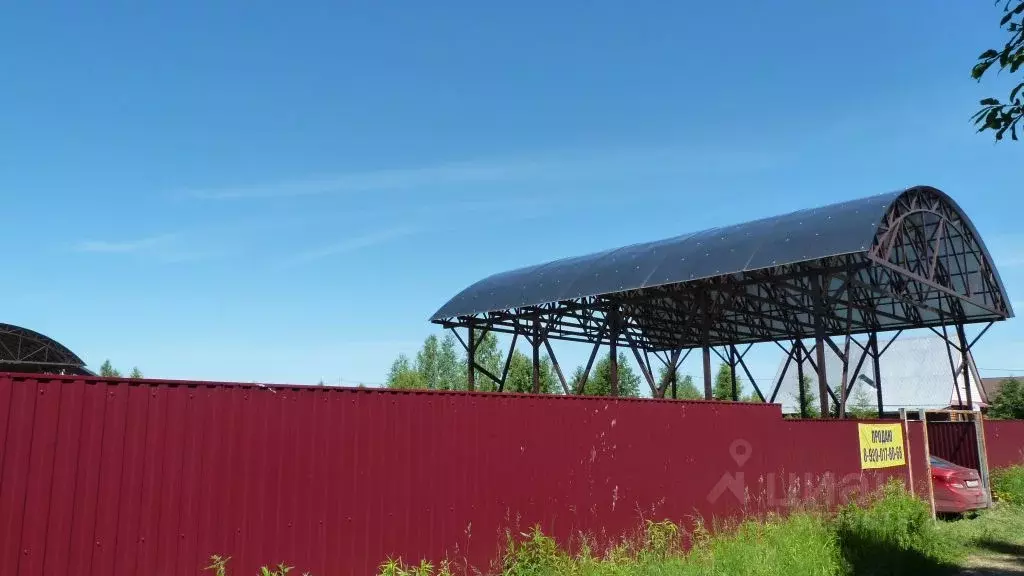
(256, 386)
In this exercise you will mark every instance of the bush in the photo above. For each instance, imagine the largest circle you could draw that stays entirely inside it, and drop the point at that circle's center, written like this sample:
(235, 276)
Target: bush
(802, 543)
(1008, 485)
(534, 555)
(894, 535)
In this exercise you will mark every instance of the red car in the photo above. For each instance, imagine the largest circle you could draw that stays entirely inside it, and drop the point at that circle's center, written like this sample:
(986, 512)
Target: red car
(957, 489)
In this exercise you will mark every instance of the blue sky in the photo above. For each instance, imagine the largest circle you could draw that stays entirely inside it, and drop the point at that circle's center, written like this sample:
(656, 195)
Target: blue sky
(255, 191)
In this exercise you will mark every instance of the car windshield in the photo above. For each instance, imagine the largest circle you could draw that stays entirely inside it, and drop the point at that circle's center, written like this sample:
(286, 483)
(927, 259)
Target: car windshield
(940, 463)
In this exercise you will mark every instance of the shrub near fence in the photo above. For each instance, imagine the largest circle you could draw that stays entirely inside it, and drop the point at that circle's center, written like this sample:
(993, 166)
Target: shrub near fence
(101, 477)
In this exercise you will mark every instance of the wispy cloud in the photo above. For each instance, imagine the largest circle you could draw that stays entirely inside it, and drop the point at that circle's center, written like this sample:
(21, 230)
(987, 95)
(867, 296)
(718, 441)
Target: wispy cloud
(397, 178)
(570, 165)
(169, 248)
(124, 246)
(356, 243)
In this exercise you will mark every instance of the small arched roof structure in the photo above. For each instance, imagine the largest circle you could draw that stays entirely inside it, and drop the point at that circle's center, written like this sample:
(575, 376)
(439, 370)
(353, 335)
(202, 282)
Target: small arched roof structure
(24, 350)
(904, 259)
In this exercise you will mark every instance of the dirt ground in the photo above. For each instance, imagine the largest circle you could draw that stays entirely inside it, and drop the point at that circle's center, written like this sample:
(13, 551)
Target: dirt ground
(1004, 563)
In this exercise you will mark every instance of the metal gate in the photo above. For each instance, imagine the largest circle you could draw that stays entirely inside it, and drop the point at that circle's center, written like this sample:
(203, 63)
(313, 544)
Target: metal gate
(956, 442)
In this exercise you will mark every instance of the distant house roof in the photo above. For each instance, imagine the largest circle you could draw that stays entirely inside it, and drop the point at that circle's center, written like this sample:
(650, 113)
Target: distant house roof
(915, 374)
(994, 385)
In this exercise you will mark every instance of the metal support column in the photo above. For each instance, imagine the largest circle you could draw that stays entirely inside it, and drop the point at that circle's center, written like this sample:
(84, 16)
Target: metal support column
(614, 354)
(819, 338)
(965, 363)
(877, 370)
(800, 377)
(536, 356)
(732, 373)
(707, 373)
(675, 392)
(471, 363)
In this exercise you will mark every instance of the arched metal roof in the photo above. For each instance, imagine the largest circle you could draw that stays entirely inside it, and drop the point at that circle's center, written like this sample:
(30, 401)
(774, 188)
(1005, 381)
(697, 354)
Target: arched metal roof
(24, 350)
(918, 235)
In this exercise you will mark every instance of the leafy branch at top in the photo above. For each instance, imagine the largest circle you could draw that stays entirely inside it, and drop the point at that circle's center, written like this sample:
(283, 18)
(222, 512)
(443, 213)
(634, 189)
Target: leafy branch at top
(995, 114)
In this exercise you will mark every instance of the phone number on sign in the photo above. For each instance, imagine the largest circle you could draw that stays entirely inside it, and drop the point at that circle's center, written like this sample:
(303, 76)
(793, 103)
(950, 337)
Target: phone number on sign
(883, 454)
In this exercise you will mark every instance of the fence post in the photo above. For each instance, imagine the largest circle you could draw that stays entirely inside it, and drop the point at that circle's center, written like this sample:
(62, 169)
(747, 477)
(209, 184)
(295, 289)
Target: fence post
(927, 461)
(979, 432)
(907, 450)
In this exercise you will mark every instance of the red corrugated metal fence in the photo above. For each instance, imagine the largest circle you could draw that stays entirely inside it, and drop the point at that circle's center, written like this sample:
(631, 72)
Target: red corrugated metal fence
(99, 478)
(1004, 443)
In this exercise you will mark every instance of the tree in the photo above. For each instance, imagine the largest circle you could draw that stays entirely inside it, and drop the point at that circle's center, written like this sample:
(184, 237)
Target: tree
(403, 376)
(859, 405)
(994, 114)
(685, 389)
(722, 387)
(520, 375)
(426, 362)
(451, 368)
(490, 358)
(752, 397)
(439, 364)
(107, 370)
(1009, 404)
(809, 407)
(600, 381)
(135, 373)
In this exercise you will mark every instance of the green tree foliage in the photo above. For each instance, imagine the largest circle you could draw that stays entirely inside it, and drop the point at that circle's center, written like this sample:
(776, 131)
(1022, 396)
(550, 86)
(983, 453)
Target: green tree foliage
(135, 373)
(438, 365)
(451, 367)
(860, 404)
(810, 403)
(600, 382)
(441, 365)
(722, 386)
(427, 362)
(403, 376)
(488, 356)
(995, 114)
(107, 370)
(685, 388)
(520, 375)
(1009, 404)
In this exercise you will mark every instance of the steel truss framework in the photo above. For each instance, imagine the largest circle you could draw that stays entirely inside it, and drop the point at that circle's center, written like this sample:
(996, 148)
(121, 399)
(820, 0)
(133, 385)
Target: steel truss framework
(924, 268)
(23, 350)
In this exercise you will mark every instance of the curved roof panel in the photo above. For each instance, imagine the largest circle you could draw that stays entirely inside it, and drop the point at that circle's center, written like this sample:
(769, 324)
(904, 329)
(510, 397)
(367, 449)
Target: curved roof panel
(833, 230)
(23, 347)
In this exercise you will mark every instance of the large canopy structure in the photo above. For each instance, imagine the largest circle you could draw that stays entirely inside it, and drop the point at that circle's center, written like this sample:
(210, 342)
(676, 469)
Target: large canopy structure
(24, 350)
(890, 262)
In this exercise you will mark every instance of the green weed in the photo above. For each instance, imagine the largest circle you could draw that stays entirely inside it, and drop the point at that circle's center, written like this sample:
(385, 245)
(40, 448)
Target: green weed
(395, 567)
(1001, 526)
(1008, 485)
(894, 535)
(219, 567)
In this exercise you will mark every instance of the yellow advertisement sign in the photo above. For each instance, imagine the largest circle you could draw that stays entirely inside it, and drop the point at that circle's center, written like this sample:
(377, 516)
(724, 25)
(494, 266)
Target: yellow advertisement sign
(881, 445)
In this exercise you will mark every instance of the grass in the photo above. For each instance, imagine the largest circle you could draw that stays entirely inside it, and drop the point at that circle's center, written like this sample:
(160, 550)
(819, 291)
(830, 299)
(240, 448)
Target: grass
(999, 530)
(894, 534)
(1008, 485)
